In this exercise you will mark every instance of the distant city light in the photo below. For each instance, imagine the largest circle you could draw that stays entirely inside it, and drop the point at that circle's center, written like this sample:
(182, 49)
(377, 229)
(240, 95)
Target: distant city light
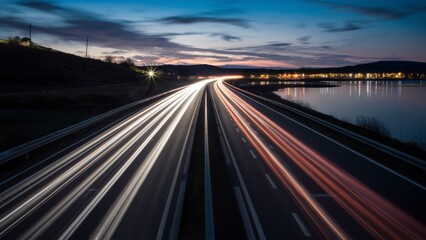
(373, 75)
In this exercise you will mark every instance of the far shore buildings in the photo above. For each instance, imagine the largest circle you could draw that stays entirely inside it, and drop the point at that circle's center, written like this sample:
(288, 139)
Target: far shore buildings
(349, 76)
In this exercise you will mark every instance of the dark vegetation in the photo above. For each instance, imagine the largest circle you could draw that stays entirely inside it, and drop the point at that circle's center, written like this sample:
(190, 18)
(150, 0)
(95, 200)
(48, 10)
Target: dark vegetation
(373, 124)
(43, 90)
(24, 68)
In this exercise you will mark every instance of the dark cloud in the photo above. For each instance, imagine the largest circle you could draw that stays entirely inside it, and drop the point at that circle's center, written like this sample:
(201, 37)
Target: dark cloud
(77, 24)
(270, 46)
(280, 45)
(201, 19)
(42, 6)
(346, 27)
(226, 37)
(178, 34)
(381, 12)
(304, 39)
(101, 32)
(115, 52)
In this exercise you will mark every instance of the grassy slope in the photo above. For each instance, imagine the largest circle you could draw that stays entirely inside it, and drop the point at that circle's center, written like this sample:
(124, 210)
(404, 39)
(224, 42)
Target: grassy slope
(42, 91)
(23, 68)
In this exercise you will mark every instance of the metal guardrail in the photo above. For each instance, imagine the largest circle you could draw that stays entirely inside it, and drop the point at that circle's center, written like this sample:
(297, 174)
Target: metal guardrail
(382, 147)
(22, 149)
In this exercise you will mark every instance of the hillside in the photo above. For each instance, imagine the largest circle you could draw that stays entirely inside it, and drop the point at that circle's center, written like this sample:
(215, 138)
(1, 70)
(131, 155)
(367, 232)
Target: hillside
(382, 67)
(23, 68)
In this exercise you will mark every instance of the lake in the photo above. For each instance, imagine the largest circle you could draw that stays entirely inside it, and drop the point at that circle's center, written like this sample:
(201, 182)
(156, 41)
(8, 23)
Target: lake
(399, 105)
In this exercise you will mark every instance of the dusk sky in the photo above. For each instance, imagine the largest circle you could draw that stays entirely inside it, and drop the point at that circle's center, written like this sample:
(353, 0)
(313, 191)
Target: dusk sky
(267, 33)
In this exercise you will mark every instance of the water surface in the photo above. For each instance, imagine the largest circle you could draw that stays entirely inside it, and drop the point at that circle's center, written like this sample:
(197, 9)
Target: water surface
(400, 105)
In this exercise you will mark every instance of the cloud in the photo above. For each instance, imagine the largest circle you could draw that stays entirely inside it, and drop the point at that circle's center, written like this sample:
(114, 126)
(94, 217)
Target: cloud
(381, 12)
(115, 52)
(201, 19)
(123, 38)
(346, 27)
(271, 46)
(171, 34)
(42, 6)
(304, 39)
(78, 24)
(226, 37)
(279, 45)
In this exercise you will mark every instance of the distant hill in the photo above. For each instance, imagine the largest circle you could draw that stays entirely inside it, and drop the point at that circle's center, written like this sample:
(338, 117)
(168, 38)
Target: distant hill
(23, 67)
(195, 70)
(382, 67)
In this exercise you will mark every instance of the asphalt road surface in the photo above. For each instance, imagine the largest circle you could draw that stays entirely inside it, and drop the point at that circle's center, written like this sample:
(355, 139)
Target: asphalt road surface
(289, 181)
(298, 183)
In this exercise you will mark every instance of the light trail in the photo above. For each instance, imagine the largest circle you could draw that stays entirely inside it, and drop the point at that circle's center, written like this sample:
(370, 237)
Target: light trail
(41, 195)
(377, 215)
(56, 212)
(311, 207)
(115, 149)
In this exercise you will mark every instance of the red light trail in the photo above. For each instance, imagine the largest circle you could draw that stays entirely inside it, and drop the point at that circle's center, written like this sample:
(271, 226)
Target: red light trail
(377, 215)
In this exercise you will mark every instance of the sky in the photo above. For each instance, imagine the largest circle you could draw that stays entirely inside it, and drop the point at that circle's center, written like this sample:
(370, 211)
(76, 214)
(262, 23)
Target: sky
(232, 33)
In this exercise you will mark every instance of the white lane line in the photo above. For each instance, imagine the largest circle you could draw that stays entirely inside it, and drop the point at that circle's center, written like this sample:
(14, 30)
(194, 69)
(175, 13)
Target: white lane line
(274, 186)
(238, 130)
(234, 124)
(301, 225)
(252, 154)
(270, 146)
(187, 160)
(244, 140)
(174, 229)
(346, 147)
(244, 214)
(244, 190)
(255, 132)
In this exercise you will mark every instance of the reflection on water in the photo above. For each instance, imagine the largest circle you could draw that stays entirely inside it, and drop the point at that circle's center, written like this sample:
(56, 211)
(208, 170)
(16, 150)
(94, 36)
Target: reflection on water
(400, 105)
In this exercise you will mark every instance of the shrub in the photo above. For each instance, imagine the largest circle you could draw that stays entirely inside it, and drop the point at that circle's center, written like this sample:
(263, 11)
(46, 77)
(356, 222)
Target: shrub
(373, 124)
(14, 40)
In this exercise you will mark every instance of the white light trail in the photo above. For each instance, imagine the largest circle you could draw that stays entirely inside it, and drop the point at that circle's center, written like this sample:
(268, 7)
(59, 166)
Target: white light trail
(128, 138)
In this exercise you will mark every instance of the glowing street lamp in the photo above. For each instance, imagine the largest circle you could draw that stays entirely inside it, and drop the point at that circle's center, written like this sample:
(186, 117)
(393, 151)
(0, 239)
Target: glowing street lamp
(151, 73)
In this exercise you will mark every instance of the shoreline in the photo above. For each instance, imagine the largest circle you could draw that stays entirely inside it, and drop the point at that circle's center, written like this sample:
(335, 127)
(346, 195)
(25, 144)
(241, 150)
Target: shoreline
(413, 149)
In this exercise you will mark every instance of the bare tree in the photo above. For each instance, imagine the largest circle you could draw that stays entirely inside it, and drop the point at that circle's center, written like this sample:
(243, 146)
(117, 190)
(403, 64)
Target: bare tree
(109, 59)
(14, 40)
(126, 62)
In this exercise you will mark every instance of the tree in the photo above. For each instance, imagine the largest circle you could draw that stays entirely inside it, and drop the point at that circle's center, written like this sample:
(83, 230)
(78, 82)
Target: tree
(127, 62)
(14, 40)
(109, 59)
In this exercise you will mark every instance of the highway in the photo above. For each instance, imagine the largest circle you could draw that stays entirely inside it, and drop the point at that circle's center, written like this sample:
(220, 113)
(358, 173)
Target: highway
(120, 184)
(299, 183)
(288, 180)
